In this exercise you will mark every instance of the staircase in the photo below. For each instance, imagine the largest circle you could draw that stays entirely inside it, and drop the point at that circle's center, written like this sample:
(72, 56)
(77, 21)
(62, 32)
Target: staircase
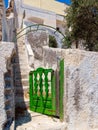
(21, 78)
(9, 100)
(26, 119)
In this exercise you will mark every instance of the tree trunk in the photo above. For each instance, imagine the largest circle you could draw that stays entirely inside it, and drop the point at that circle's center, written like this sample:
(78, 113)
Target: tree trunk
(77, 45)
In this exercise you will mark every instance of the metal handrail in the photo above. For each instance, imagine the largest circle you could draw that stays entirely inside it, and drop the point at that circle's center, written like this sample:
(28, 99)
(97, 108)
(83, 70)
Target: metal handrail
(37, 30)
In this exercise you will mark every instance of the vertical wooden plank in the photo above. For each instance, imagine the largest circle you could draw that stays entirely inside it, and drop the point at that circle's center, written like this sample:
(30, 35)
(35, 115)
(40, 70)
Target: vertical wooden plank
(31, 89)
(57, 92)
(41, 90)
(53, 87)
(61, 89)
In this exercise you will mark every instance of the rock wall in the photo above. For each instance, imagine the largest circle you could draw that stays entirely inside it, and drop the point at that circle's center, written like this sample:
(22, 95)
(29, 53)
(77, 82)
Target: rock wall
(80, 86)
(6, 89)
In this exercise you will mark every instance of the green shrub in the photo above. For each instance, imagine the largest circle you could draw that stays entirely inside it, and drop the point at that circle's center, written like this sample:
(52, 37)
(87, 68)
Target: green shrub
(52, 41)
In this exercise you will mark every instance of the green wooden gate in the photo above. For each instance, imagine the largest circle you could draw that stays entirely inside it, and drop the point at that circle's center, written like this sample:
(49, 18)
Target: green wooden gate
(42, 91)
(47, 91)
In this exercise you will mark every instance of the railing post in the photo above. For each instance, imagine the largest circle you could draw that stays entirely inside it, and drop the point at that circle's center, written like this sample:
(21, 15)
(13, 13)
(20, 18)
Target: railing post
(61, 89)
(31, 89)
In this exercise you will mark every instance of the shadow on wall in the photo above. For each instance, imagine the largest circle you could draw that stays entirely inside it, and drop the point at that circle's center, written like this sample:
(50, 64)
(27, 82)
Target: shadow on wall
(21, 114)
(9, 100)
(15, 109)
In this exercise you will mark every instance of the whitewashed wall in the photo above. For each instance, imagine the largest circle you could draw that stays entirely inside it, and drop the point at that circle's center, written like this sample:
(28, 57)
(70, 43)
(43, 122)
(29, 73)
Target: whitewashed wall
(80, 86)
(6, 51)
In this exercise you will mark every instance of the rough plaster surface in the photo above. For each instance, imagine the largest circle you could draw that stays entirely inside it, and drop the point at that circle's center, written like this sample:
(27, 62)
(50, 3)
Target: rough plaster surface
(80, 86)
(6, 50)
(36, 40)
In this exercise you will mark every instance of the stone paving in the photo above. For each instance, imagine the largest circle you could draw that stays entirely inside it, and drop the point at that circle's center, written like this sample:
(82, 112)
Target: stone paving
(37, 121)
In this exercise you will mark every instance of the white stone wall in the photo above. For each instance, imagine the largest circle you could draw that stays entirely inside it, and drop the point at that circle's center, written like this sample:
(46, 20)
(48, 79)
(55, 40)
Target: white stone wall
(6, 51)
(80, 86)
(2, 111)
(11, 28)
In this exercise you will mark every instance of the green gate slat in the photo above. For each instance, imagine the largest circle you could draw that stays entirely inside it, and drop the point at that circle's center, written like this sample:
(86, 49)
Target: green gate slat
(53, 85)
(31, 88)
(61, 89)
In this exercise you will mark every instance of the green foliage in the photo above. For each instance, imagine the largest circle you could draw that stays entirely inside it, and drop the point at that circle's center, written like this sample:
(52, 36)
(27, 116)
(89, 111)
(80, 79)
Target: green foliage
(82, 18)
(67, 42)
(52, 41)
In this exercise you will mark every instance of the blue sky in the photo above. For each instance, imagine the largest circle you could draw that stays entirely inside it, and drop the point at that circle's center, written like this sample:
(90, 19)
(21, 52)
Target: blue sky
(6, 3)
(64, 1)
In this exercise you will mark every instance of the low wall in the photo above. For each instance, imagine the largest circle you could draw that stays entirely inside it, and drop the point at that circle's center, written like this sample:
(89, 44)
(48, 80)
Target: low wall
(80, 86)
(6, 89)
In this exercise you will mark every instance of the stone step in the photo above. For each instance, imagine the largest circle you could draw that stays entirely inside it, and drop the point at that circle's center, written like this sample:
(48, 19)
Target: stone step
(21, 51)
(21, 66)
(17, 70)
(21, 54)
(8, 100)
(22, 92)
(23, 82)
(21, 99)
(8, 89)
(21, 48)
(22, 104)
(23, 60)
(25, 71)
(21, 76)
(20, 89)
(20, 43)
(9, 113)
(16, 60)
